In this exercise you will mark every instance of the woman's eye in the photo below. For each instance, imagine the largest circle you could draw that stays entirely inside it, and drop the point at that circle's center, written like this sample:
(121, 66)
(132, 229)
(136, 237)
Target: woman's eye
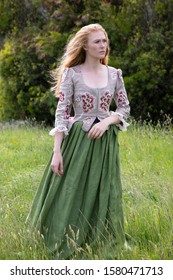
(98, 41)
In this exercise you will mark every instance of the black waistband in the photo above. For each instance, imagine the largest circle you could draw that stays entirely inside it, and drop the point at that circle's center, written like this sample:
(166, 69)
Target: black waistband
(96, 120)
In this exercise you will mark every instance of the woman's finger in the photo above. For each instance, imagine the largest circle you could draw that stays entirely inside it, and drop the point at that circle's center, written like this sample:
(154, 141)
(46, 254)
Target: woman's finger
(58, 169)
(61, 167)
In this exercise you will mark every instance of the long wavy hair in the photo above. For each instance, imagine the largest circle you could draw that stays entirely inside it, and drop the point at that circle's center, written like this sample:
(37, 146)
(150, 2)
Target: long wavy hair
(75, 54)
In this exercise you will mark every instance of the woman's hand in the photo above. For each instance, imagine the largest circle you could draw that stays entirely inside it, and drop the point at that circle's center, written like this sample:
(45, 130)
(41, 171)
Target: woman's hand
(57, 163)
(98, 129)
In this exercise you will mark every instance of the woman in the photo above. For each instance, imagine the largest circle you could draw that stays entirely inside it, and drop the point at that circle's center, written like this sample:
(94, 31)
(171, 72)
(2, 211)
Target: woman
(80, 196)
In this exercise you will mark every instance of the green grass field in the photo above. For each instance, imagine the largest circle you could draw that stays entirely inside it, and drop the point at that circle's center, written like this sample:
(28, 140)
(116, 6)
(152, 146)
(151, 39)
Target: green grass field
(147, 177)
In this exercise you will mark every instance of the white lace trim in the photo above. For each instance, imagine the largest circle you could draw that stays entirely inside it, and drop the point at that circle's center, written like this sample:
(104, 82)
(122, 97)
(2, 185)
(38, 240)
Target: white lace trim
(59, 129)
(124, 124)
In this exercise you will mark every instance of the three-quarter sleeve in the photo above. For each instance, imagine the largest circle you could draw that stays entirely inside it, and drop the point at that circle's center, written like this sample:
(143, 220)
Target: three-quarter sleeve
(121, 101)
(63, 110)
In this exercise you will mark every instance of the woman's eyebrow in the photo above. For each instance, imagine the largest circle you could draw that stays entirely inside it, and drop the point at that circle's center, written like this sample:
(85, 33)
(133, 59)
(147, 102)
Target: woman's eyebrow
(103, 39)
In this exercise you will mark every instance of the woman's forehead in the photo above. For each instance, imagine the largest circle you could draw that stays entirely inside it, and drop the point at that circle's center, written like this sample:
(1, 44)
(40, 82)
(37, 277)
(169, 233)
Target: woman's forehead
(96, 35)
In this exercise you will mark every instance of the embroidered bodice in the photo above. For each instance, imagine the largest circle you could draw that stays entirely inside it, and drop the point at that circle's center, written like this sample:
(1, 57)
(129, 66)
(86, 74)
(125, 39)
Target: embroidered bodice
(89, 103)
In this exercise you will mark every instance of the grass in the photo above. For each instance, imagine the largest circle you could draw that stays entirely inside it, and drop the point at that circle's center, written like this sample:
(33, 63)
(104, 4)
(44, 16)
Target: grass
(147, 177)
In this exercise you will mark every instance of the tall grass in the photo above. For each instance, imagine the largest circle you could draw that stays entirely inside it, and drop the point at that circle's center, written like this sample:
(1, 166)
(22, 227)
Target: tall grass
(147, 177)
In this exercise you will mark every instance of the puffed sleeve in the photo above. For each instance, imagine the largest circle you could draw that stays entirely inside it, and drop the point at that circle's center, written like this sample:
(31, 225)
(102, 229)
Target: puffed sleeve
(63, 110)
(121, 101)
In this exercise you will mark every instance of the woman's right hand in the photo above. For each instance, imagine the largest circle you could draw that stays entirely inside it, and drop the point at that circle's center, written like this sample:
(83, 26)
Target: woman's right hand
(57, 163)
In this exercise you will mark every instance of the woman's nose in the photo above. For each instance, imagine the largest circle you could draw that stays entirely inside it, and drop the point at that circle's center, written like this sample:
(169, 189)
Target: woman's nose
(102, 44)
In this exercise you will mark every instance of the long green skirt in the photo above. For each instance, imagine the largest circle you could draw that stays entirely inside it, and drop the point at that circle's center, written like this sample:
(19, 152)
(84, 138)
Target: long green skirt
(85, 203)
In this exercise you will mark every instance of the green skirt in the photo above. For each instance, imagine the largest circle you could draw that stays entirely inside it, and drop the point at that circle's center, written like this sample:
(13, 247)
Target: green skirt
(85, 203)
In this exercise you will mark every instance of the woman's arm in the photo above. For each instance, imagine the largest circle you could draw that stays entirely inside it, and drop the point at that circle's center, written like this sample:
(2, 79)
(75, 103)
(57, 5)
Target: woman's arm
(57, 160)
(99, 128)
(61, 119)
(122, 102)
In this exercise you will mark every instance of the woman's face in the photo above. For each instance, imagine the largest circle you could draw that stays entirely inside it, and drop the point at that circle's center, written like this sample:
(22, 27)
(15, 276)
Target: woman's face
(96, 45)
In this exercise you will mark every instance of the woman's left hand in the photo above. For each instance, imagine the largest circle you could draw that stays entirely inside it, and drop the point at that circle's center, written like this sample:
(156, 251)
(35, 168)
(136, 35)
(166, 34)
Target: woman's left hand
(98, 129)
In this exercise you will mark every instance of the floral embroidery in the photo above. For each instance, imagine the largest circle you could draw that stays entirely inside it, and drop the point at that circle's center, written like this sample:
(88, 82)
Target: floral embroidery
(121, 98)
(105, 100)
(78, 101)
(88, 102)
(88, 120)
(67, 111)
(61, 106)
(61, 96)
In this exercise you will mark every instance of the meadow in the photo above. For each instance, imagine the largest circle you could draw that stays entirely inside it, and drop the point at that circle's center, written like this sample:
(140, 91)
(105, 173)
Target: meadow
(147, 177)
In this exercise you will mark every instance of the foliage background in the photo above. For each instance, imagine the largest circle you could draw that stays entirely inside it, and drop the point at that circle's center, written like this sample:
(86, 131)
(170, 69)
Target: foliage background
(33, 34)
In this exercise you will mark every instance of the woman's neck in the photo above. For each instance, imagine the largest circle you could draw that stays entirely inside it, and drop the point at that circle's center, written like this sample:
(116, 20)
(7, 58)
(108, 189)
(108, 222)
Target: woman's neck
(92, 65)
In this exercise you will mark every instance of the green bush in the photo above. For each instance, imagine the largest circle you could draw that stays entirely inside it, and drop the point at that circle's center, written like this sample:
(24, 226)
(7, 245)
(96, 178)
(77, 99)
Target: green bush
(141, 36)
(25, 76)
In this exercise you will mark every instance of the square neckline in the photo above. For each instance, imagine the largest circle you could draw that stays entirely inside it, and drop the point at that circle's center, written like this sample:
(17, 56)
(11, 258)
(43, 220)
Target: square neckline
(94, 88)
